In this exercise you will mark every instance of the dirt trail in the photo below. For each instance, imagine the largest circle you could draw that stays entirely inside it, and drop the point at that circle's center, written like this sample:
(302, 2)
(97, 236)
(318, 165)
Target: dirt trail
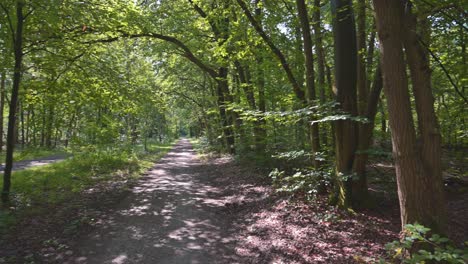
(24, 164)
(174, 214)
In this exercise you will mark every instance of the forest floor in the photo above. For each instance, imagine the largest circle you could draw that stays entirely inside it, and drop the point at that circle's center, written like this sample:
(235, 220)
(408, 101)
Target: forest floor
(189, 210)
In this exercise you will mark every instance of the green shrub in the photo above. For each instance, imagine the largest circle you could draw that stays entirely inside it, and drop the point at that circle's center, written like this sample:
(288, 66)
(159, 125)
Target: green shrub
(420, 246)
(307, 182)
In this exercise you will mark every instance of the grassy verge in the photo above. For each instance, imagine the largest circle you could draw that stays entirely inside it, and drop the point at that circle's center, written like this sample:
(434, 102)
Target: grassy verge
(53, 184)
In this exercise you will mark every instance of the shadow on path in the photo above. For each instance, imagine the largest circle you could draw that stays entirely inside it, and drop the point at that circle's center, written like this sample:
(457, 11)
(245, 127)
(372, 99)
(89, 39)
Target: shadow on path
(174, 214)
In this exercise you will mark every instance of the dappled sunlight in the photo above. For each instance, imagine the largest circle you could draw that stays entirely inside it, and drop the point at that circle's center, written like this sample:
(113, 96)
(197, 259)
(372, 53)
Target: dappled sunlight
(174, 214)
(292, 233)
(120, 259)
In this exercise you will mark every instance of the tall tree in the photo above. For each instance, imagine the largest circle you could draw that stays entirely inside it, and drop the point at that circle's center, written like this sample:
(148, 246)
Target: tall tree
(344, 31)
(428, 127)
(361, 156)
(309, 72)
(10, 140)
(418, 187)
(2, 106)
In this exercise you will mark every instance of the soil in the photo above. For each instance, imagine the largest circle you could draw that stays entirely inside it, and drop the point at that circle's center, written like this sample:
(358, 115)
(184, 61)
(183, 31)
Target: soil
(188, 210)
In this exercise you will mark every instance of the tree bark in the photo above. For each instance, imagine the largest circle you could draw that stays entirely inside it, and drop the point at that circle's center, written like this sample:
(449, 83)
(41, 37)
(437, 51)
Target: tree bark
(345, 78)
(360, 184)
(418, 201)
(10, 143)
(22, 123)
(428, 126)
(316, 25)
(365, 139)
(260, 128)
(226, 118)
(2, 107)
(310, 75)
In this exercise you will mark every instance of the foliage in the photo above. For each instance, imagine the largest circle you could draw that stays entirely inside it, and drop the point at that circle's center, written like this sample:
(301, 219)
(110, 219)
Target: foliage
(303, 182)
(291, 176)
(419, 245)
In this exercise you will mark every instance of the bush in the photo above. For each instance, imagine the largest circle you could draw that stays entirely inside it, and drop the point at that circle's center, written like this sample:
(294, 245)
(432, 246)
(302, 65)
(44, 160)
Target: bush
(420, 246)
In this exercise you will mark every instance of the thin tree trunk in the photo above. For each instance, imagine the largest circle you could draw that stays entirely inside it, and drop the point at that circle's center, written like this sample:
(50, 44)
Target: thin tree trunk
(360, 192)
(370, 56)
(316, 25)
(23, 137)
(330, 88)
(18, 47)
(222, 86)
(261, 129)
(17, 124)
(50, 127)
(365, 138)
(34, 130)
(2, 107)
(310, 75)
(28, 127)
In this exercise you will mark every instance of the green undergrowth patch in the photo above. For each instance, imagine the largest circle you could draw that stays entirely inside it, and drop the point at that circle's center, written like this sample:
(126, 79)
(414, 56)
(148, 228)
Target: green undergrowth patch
(203, 149)
(50, 185)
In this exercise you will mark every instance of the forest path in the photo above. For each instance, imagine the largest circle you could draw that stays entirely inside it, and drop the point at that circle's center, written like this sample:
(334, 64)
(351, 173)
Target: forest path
(174, 214)
(25, 164)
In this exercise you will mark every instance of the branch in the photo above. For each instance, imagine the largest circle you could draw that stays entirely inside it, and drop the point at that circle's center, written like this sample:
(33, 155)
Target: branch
(441, 9)
(186, 98)
(444, 70)
(296, 87)
(187, 52)
(10, 24)
(214, 27)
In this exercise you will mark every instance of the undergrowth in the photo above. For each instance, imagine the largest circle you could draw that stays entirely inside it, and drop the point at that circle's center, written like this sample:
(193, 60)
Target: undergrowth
(419, 245)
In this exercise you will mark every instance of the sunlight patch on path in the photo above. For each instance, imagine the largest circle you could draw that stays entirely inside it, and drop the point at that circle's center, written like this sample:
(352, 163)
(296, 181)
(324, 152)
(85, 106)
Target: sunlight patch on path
(173, 215)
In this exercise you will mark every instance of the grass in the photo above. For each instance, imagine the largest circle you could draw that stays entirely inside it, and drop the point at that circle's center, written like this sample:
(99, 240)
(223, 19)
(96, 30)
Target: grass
(54, 183)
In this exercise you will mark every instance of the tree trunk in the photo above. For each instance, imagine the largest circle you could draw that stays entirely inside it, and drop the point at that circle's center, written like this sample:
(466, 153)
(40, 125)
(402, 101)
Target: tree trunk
(50, 126)
(418, 201)
(10, 143)
(222, 87)
(2, 106)
(365, 139)
(310, 75)
(429, 130)
(316, 25)
(345, 78)
(360, 192)
(330, 88)
(260, 127)
(370, 56)
(28, 127)
(34, 127)
(23, 134)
